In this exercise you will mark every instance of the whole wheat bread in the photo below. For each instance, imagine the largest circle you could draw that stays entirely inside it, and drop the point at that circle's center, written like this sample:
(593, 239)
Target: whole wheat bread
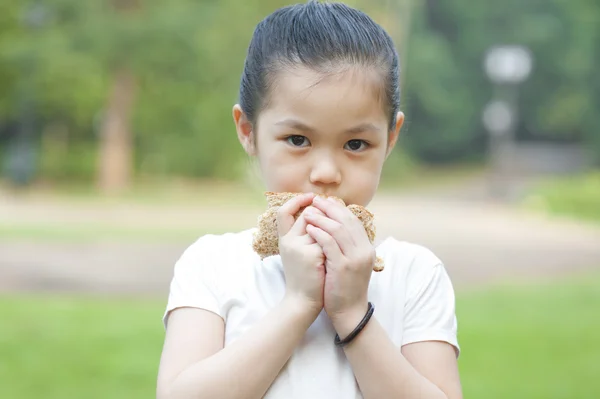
(266, 238)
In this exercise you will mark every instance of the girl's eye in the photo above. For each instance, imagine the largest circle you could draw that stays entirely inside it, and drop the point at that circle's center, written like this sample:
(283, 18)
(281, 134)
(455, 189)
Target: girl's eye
(298, 141)
(356, 145)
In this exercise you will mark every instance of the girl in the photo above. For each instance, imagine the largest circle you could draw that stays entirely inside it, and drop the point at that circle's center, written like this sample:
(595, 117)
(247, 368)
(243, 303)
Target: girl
(318, 109)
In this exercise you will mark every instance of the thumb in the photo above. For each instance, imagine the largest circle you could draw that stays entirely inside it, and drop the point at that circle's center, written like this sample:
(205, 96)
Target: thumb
(287, 212)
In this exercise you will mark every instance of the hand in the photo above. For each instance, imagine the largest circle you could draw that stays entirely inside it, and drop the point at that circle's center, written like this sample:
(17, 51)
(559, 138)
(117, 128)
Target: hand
(349, 260)
(303, 259)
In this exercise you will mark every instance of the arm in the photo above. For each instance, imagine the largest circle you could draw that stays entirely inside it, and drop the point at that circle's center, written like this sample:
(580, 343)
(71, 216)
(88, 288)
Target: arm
(195, 363)
(421, 370)
(191, 367)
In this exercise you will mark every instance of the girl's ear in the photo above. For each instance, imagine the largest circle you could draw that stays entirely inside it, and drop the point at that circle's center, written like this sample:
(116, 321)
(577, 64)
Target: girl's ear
(244, 130)
(393, 135)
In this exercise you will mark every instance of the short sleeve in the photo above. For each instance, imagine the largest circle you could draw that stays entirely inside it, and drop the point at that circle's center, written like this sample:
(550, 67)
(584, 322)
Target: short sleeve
(194, 280)
(430, 309)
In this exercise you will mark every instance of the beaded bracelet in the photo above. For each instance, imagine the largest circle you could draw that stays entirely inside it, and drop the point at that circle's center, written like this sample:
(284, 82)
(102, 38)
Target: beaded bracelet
(358, 328)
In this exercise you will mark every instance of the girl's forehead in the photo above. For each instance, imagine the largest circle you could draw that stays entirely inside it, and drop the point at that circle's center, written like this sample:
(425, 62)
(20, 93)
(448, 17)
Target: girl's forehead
(354, 93)
(301, 80)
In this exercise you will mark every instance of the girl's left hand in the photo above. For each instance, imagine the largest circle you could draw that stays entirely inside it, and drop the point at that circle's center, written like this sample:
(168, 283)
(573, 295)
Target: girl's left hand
(349, 262)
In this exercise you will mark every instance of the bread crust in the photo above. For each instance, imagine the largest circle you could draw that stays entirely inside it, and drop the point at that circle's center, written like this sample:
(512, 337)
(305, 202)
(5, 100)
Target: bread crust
(266, 239)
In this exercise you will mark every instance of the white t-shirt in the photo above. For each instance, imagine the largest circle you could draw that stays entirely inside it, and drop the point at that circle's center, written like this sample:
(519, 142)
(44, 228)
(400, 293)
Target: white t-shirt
(413, 298)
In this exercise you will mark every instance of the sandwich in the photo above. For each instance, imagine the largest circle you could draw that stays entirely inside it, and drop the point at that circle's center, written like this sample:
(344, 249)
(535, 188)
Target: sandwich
(266, 238)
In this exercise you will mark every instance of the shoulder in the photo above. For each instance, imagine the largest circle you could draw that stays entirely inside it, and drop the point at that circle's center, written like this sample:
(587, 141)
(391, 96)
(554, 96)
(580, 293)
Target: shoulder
(216, 243)
(217, 249)
(412, 263)
(198, 273)
(412, 257)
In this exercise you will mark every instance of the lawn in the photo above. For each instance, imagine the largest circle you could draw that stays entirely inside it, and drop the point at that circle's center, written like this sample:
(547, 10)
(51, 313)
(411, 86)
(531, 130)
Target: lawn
(532, 342)
(574, 196)
(86, 216)
(83, 233)
(517, 342)
(98, 221)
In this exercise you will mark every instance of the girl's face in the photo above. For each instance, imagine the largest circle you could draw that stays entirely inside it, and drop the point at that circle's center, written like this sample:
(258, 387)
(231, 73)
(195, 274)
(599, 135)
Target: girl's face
(322, 134)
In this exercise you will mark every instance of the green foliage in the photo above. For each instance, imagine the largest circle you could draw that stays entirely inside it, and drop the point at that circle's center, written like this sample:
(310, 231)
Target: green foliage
(447, 87)
(75, 162)
(187, 57)
(186, 63)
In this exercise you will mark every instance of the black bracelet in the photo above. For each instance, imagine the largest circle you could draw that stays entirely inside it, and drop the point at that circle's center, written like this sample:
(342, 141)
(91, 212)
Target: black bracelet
(358, 328)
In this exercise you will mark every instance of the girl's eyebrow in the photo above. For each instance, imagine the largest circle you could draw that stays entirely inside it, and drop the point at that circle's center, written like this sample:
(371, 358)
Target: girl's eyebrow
(297, 125)
(363, 128)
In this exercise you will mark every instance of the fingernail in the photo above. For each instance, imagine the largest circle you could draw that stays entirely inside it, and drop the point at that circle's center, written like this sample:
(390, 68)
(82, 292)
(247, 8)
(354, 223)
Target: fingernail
(331, 200)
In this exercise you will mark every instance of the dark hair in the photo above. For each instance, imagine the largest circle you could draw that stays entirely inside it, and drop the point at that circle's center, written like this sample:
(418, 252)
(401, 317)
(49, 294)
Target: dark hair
(316, 35)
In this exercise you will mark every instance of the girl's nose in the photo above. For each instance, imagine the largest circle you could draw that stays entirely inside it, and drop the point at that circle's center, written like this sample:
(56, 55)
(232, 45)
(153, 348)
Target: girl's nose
(325, 172)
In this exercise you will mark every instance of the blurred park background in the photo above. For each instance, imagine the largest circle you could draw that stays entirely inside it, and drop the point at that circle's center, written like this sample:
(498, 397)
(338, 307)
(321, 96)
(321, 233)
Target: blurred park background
(117, 150)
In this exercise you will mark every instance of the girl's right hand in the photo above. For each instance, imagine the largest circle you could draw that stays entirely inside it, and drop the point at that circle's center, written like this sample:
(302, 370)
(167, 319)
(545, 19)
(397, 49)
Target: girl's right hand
(303, 259)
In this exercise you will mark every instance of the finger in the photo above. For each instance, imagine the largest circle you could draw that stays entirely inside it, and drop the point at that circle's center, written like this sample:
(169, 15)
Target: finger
(299, 226)
(307, 240)
(335, 229)
(314, 246)
(333, 209)
(286, 213)
(331, 249)
(341, 214)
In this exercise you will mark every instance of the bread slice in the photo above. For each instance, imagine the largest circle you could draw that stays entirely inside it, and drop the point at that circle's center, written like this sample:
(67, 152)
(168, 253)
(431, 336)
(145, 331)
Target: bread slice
(266, 238)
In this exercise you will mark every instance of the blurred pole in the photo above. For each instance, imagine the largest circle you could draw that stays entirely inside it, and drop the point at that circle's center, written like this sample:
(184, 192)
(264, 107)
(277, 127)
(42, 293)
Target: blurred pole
(507, 67)
(500, 118)
(115, 157)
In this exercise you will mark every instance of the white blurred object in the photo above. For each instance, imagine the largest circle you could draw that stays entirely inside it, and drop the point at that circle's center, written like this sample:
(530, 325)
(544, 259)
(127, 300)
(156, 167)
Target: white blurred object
(498, 117)
(508, 64)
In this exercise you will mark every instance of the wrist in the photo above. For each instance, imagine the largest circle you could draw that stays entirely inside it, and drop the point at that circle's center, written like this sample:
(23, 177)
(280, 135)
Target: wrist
(345, 322)
(301, 306)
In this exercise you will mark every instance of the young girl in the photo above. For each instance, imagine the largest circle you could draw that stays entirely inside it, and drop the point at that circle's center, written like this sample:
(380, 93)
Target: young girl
(318, 109)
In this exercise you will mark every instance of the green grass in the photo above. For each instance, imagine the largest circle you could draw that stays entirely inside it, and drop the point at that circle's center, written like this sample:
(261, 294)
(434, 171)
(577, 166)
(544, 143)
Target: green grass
(153, 196)
(532, 342)
(78, 348)
(94, 233)
(401, 175)
(173, 191)
(517, 342)
(576, 196)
